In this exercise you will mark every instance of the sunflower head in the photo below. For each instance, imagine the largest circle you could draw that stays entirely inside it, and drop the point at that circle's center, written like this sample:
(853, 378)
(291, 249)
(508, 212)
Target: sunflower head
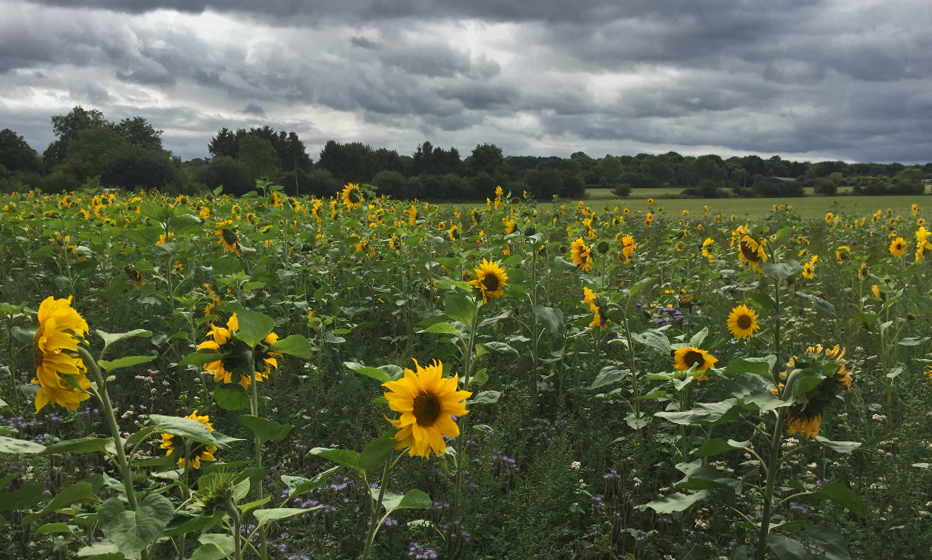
(352, 196)
(581, 254)
(490, 280)
(426, 402)
(686, 358)
(60, 373)
(742, 322)
(751, 251)
(830, 376)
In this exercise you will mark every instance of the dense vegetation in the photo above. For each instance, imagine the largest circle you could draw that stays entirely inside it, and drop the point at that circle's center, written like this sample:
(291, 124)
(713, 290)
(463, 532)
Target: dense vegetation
(91, 151)
(643, 384)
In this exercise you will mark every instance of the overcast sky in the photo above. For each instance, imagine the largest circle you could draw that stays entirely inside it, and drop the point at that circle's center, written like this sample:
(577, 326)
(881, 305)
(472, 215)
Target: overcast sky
(805, 79)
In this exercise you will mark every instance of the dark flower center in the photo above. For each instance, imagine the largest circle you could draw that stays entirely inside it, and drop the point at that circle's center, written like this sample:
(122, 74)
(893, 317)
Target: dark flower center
(229, 236)
(744, 322)
(693, 358)
(426, 409)
(37, 353)
(749, 254)
(490, 282)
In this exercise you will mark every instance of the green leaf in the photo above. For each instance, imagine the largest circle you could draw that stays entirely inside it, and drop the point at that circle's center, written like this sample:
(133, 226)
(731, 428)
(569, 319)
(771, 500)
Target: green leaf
(842, 495)
(22, 498)
(413, 499)
(479, 378)
(551, 318)
(698, 338)
(253, 326)
(78, 493)
(209, 551)
(116, 337)
(53, 528)
(303, 485)
(184, 427)
(788, 549)
(913, 341)
(501, 349)
(378, 451)
(157, 212)
(221, 541)
(675, 502)
(440, 328)
(485, 397)
(838, 446)
(559, 263)
(126, 361)
(200, 358)
(819, 302)
(343, 457)
(762, 301)
(19, 446)
(825, 538)
(24, 336)
(79, 446)
(715, 446)
(226, 266)
(779, 271)
(459, 307)
(134, 531)
(705, 413)
(759, 366)
(139, 436)
(654, 339)
(265, 430)
(608, 376)
(266, 516)
(101, 551)
(294, 345)
(372, 372)
(186, 223)
(231, 396)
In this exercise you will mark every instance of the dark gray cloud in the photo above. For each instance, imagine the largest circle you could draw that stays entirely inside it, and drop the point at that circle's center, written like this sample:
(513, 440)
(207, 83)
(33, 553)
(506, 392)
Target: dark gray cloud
(801, 78)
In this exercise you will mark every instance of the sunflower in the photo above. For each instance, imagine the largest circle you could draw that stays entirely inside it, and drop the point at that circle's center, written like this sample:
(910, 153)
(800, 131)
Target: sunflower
(742, 322)
(875, 289)
(809, 268)
(751, 251)
(923, 245)
(426, 403)
(352, 196)
(805, 416)
(650, 201)
(595, 306)
(649, 219)
(843, 253)
(490, 280)
(806, 425)
(629, 246)
(228, 237)
(54, 347)
(199, 452)
(706, 251)
(686, 358)
(270, 359)
(898, 247)
(582, 254)
(914, 209)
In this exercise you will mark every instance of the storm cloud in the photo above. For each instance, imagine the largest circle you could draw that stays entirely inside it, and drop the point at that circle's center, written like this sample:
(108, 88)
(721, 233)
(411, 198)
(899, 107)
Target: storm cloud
(805, 79)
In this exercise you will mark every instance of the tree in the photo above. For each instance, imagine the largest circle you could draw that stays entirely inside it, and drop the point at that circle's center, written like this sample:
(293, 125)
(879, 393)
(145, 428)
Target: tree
(15, 153)
(391, 183)
(349, 163)
(138, 132)
(485, 158)
(67, 127)
(223, 144)
(130, 167)
(229, 173)
(257, 156)
(86, 151)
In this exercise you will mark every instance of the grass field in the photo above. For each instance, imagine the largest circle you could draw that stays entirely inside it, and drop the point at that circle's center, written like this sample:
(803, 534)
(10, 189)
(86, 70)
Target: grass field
(807, 207)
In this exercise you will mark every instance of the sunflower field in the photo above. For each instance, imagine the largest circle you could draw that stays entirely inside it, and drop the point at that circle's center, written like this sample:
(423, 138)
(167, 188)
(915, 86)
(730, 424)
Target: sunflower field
(361, 377)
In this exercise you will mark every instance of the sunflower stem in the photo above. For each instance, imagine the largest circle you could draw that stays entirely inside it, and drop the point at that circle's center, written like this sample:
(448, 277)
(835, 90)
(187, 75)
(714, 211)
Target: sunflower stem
(772, 471)
(461, 440)
(12, 366)
(254, 406)
(374, 522)
(126, 472)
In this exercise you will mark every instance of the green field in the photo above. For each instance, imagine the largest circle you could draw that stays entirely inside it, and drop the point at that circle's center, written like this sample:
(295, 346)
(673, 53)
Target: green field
(807, 207)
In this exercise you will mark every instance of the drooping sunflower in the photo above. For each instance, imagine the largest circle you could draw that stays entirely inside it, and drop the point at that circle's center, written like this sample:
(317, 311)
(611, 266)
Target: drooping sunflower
(923, 245)
(843, 253)
(221, 369)
(628, 248)
(54, 348)
(490, 280)
(686, 358)
(426, 403)
(750, 250)
(742, 322)
(595, 306)
(875, 289)
(228, 237)
(352, 196)
(198, 452)
(898, 247)
(804, 417)
(266, 359)
(581, 254)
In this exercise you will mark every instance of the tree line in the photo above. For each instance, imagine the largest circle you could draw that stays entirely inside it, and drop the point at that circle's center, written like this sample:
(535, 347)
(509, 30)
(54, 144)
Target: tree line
(89, 150)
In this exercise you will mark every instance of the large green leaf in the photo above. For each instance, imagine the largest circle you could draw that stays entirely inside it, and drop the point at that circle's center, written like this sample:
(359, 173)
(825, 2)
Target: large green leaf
(231, 396)
(715, 446)
(201, 357)
(842, 495)
(133, 531)
(372, 372)
(125, 361)
(378, 451)
(78, 493)
(551, 318)
(788, 549)
(654, 339)
(759, 366)
(294, 345)
(109, 338)
(440, 328)
(343, 457)
(19, 446)
(101, 551)
(705, 413)
(266, 516)
(829, 541)
(299, 485)
(459, 307)
(779, 271)
(264, 429)
(184, 427)
(607, 376)
(838, 446)
(253, 326)
(79, 446)
(22, 498)
(675, 502)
